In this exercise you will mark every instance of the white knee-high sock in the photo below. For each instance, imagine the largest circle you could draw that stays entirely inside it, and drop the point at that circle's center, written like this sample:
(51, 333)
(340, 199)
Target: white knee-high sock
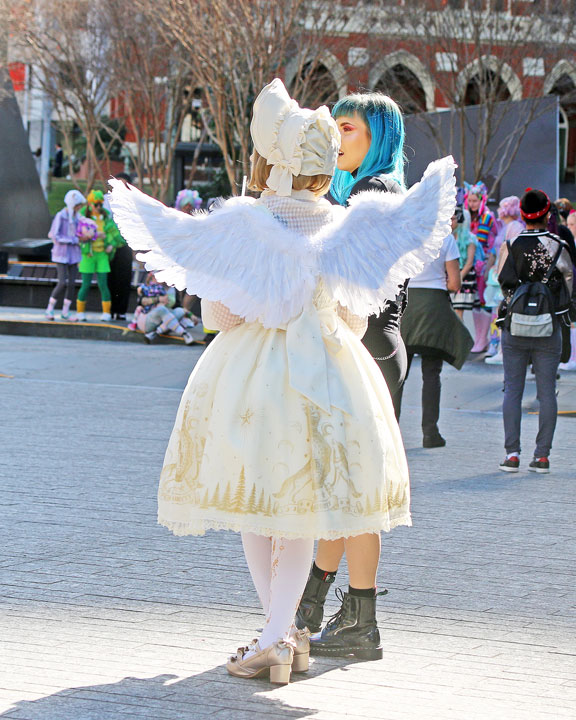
(258, 552)
(290, 567)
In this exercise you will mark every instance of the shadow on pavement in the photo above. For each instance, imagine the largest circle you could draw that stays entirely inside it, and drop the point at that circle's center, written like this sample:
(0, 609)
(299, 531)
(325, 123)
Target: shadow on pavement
(213, 693)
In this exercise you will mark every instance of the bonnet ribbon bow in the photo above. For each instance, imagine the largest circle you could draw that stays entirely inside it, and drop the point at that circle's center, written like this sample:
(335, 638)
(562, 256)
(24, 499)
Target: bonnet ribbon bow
(280, 178)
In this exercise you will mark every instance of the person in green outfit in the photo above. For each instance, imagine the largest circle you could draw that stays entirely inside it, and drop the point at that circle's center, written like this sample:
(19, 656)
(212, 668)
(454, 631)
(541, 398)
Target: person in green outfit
(96, 254)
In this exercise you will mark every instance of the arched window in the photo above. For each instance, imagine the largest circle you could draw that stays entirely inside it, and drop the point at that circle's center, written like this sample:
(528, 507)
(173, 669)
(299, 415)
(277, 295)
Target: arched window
(565, 88)
(486, 87)
(315, 87)
(403, 86)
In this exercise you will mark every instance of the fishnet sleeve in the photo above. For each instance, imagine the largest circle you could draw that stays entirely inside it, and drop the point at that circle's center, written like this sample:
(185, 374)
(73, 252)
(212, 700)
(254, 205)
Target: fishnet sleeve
(216, 316)
(357, 324)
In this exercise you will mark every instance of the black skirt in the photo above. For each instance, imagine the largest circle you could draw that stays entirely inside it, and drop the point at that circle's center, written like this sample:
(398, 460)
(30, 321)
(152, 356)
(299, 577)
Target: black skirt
(431, 327)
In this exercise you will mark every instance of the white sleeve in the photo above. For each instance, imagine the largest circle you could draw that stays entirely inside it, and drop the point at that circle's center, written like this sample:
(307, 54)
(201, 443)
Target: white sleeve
(452, 252)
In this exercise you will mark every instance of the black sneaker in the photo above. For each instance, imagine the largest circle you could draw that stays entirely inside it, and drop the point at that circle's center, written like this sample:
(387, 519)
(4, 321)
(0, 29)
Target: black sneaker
(510, 464)
(433, 441)
(540, 465)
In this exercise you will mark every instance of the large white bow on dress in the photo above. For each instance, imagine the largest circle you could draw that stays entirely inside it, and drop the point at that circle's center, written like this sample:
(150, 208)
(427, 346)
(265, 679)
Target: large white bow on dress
(312, 339)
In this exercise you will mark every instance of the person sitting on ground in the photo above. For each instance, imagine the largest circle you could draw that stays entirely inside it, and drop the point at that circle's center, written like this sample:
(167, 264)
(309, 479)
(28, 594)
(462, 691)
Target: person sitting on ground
(157, 315)
(535, 273)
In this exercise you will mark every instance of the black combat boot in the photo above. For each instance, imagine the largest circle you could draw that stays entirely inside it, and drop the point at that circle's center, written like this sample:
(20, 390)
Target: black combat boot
(352, 631)
(311, 609)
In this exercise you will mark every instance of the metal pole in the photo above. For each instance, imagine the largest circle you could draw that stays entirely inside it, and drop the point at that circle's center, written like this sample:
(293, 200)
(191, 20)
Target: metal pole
(46, 143)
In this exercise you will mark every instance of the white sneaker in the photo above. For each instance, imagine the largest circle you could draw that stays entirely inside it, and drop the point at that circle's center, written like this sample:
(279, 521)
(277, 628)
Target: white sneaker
(81, 317)
(49, 314)
(188, 339)
(570, 365)
(105, 317)
(494, 360)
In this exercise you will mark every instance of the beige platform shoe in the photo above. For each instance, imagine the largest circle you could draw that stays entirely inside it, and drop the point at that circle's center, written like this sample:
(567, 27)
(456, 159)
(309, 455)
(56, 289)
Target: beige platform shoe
(301, 661)
(275, 659)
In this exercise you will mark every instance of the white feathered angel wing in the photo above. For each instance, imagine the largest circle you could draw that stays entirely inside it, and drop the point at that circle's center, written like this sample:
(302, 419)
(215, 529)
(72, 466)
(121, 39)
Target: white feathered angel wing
(239, 254)
(384, 238)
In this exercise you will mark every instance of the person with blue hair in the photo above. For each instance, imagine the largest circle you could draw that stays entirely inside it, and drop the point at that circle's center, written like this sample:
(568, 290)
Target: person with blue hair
(371, 157)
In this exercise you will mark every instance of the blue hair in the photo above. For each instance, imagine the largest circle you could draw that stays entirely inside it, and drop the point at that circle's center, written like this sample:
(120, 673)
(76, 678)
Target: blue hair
(386, 154)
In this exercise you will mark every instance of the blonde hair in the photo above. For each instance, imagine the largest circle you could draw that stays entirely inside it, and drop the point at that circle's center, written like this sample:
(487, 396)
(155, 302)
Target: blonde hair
(260, 170)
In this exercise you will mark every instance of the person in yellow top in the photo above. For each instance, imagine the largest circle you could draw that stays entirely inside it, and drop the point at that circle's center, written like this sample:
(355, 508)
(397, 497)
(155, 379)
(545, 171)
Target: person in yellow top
(96, 254)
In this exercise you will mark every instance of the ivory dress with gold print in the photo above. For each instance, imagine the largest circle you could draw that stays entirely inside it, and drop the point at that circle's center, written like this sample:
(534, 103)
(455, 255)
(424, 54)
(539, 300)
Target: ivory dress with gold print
(286, 427)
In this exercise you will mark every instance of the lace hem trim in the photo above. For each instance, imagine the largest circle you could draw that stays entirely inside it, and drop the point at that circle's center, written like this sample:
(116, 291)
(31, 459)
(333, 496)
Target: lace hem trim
(200, 527)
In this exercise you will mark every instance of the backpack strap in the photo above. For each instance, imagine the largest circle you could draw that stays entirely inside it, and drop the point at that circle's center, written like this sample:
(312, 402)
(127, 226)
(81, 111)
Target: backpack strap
(551, 268)
(553, 264)
(512, 261)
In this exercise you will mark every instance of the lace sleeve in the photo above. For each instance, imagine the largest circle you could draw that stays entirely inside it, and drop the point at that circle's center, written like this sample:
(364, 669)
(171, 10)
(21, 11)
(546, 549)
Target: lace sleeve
(357, 324)
(216, 316)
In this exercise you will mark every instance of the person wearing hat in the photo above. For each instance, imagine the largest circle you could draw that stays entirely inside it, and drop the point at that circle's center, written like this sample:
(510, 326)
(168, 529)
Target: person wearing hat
(96, 255)
(286, 430)
(65, 252)
(529, 258)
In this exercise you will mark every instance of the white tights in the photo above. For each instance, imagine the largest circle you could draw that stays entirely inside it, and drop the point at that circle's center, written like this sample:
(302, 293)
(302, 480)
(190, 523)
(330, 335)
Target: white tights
(279, 570)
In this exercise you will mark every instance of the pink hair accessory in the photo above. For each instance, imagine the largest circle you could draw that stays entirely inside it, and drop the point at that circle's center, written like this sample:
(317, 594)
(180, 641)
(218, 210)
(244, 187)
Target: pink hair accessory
(480, 190)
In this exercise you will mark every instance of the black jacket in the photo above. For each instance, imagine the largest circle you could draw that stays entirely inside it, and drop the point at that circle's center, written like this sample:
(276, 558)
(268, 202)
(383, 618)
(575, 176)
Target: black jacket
(389, 319)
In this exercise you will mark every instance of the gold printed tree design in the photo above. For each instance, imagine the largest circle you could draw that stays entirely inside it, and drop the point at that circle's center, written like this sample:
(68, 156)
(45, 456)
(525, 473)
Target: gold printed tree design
(205, 501)
(251, 504)
(369, 508)
(260, 506)
(215, 502)
(225, 502)
(239, 502)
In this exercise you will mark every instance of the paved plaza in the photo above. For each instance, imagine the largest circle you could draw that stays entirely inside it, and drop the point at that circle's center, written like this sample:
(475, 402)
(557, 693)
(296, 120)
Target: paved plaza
(106, 616)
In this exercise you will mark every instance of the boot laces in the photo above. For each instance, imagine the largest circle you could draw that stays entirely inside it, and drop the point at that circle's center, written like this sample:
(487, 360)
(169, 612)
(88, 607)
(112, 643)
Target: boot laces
(341, 594)
(334, 620)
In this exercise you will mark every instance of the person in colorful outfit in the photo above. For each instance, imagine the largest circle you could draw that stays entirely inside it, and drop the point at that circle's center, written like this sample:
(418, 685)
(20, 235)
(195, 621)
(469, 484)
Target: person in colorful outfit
(286, 430)
(96, 255)
(65, 252)
(467, 297)
(483, 226)
(157, 315)
(511, 225)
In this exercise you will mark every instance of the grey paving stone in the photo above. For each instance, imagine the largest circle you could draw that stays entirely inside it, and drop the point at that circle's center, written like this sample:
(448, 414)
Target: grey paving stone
(105, 615)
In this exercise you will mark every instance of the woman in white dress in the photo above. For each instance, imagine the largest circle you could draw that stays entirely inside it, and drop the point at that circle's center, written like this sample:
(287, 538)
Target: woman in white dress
(286, 431)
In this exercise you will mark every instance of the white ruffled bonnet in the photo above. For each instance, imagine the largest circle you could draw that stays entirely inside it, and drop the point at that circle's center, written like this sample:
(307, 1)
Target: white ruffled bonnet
(294, 140)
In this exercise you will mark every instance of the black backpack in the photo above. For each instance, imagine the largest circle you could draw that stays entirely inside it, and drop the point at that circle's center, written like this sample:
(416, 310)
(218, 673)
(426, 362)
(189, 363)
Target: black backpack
(531, 311)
